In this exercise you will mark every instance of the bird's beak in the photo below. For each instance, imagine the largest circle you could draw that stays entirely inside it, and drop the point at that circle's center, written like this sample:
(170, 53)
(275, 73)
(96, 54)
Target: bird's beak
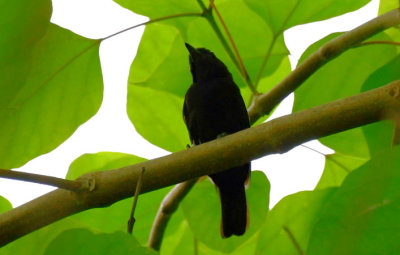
(192, 51)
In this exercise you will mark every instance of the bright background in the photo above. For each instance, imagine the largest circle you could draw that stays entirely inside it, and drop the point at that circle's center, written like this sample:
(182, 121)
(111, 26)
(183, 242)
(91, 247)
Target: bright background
(111, 130)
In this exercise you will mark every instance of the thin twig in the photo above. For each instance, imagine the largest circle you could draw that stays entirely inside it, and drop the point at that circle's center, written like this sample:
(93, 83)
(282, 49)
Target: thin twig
(168, 206)
(235, 50)
(178, 15)
(132, 220)
(377, 42)
(294, 241)
(41, 179)
(263, 104)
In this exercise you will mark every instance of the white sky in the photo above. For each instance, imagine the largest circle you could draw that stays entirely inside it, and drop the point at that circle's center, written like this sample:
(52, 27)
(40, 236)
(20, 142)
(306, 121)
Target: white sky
(111, 130)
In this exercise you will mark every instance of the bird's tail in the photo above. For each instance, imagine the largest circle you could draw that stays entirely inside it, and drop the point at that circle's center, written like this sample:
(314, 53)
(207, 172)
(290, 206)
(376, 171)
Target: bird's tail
(234, 211)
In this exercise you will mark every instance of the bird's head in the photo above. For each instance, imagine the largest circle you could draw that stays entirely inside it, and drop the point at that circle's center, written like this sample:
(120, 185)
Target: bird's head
(204, 65)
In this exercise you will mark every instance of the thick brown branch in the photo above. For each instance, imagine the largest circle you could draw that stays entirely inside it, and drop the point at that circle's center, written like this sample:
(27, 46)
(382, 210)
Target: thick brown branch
(276, 136)
(168, 206)
(42, 179)
(263, 104)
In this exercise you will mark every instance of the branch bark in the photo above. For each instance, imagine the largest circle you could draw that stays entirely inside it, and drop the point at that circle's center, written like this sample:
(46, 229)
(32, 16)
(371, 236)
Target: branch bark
(263, 104)
(276, 136)
(168, 206)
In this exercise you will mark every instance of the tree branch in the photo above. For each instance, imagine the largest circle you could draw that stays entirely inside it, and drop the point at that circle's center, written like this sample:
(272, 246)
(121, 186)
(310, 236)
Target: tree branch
(168, 206)
(263, 104)
(276, 136)
(43, 179)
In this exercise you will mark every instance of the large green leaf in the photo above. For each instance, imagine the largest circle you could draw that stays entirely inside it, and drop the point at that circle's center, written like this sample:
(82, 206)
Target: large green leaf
(247, 247)
(202, 210)
(388, 5)
(363, 217)
(294, 216)
(162, 63)
(157, 116)
(115, 217)
(162, 55)
(5, 205)
(282, 15)
(23, 24)
(385, 6)
(343, 76)
(35, 243)
(337, 167)
(47, 94)
(84, 242)
(379, 135)
(92, 162)
(180, 241)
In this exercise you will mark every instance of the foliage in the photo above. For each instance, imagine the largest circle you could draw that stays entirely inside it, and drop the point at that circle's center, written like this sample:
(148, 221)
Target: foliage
(53, 77)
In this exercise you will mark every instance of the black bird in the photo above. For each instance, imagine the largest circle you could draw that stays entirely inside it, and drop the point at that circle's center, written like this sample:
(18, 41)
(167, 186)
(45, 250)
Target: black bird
(213, 108)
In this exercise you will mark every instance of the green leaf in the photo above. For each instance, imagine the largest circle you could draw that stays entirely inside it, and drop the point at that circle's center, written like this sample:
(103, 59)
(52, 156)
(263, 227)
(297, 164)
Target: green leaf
(379, 135)
(337, 167)
(46, 94)
(362, 217)
(23, 24)
(36, 242)
(162, 62)
(157, 116)
(162, 54)
(294, 215)
(266, 84)
(387, 5)
(250, 26)
(5, 205)
(202, 210)
(335, 81)
(115, 217)
(180, 241)
(282, 15)
(247, 247)
(92, 162)
(82, 241)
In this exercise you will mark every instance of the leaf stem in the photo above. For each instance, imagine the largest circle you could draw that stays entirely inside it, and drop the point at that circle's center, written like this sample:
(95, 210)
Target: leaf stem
(378, 42)
(210, 18)
(235, 50)
(132, 220)
(294, 241)
(178, 15)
